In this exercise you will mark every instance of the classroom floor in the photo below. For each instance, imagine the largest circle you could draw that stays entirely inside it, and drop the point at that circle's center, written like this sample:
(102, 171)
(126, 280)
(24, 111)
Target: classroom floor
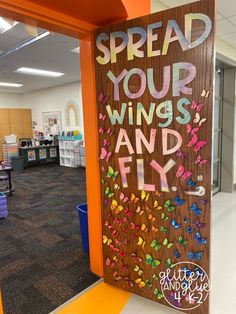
(41, 260)
(104, 299)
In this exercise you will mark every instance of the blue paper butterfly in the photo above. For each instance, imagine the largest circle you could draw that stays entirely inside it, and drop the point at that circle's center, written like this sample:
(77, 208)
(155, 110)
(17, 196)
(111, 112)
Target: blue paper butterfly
(178, 200)
(189, 229)
(191, 183)
(199, 238)
(197, 211)
(198, 271)
(175, 224)
(177, 254)
(196, 255)
(186, 220)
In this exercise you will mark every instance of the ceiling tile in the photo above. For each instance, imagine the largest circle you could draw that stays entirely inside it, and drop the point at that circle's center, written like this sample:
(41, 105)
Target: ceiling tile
(229, 38)
(224, 27)
(175, 3)
(219, 16)
(232, 19)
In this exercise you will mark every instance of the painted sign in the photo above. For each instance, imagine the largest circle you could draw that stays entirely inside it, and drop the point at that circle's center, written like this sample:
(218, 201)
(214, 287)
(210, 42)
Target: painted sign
(154, 80)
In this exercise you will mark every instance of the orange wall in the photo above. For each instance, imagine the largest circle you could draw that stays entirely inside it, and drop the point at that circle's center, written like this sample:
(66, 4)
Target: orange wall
(134, 9)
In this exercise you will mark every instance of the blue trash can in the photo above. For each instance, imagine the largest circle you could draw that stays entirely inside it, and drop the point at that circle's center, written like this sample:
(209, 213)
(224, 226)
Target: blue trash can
(83, 218)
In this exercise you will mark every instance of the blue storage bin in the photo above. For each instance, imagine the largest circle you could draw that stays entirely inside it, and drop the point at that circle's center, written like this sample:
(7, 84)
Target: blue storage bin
(83, 218)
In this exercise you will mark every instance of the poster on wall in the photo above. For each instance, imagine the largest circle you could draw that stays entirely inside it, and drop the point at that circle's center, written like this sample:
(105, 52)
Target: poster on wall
(42, 153)
(31, 155)
(154, 85)
(51, 123)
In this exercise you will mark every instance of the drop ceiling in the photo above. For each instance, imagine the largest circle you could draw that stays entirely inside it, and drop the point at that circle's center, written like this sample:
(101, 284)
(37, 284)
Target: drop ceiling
(52, 53)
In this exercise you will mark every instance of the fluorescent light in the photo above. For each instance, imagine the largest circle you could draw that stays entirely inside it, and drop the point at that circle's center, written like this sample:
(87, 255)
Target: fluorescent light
(10, 84)
(76, 50)
(6, 24)
(39, 72)
(44, 34)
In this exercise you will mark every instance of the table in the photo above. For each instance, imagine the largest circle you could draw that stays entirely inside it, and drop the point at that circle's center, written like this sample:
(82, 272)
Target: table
(8, 171)
(40, 153)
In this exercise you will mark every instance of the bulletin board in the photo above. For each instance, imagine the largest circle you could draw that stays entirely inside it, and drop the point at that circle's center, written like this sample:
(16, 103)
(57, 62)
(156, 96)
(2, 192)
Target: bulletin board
(154, 83)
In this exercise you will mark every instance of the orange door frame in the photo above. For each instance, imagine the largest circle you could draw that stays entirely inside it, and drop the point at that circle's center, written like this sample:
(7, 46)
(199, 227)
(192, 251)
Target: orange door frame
(73, 18)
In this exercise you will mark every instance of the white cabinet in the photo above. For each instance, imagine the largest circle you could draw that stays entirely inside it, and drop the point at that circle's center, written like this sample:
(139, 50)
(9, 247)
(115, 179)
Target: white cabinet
(70, 153)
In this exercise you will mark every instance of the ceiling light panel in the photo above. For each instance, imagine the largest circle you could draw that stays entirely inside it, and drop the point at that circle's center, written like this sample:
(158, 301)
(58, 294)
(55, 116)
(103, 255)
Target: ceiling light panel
(39, 72)
(4, 84)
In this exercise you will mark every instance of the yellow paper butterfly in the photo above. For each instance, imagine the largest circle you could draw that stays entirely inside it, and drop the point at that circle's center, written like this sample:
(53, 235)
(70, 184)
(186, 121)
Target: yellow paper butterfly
(144, 228)
(134, 199)
(140, 282)
(145, 196)
(116, 206)
(156, 205)
(139, 211)
(152, 218)
(141, 242)
(106, 240)
(138, 270)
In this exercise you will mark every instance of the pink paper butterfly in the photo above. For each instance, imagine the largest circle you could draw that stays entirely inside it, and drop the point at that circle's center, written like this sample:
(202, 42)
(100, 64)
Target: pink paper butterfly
(102, 116)
(105, 143)
(182, 173)
(105, 154)
(201, 161)
(181, 154)
(191, 130)
(196, 106)
(102, 98)
(109, 131)
(101, 130)
(198, 144)
(123, 198)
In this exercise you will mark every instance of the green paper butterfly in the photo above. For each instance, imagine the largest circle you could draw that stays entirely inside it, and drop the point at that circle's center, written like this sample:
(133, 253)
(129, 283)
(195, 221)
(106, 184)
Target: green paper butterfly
(182, 241)
(111, 173)
(162, 229)
(170, 207)
(164, 217)
(103, 181)
(153, 262)
(108, 192)
(168, 244)
(155, 245)
(148, 283)
(155, 277)
(158, 294)
(169, 263)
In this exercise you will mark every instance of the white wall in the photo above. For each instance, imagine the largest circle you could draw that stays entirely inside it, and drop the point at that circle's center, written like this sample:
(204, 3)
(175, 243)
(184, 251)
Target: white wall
(55, 99)
(11, 100)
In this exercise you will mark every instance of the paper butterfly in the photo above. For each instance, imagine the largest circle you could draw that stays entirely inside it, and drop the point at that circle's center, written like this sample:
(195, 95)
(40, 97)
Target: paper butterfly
(152, 218)
(164, 230)
(108, 192)
(164, 217)
(177, 254)
(101, 130)
(153, 262)
(136, 258)
(199, 238)
(178, 200)
(181, 154)
(186, 220)
(182, 173)
(102, 116)
(105, 143)
(205, 93)
(155, 229)
(133, 198)
(198, 271)
(200, 161)
(198, 145)
(170, 207)
(111, 173)
(189, 299)
(145, 196)
(203, 201)
(123, 198)
(175, 224)
(158, 294)
(197, 211)
(144, 228)
(196, 106)
(109, 131)
(138, 270)
(106, 240)
(189, 229)
(139, 211)
(191, 183)
(199, 224)
(168, 244)
(118, 208)
(148, 283)
(182, 241)
(197, 255)
(157, 193)
(191, 130)
(134, 226)
(102, 98)
(156, 205)
(129, 281)
(155, 245)
(141, 242)
(169, 263)
(116, 276)
(140, 282)
(175, 301)
(128, 212)
(105, 154)
(116, 187)
(199, 120)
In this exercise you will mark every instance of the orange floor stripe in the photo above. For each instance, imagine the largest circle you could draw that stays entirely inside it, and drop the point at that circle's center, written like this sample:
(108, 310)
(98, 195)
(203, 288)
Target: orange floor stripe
(103, 298)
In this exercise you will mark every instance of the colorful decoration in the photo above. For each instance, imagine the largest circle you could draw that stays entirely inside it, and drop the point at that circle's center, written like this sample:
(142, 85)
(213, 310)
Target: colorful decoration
(72, 108)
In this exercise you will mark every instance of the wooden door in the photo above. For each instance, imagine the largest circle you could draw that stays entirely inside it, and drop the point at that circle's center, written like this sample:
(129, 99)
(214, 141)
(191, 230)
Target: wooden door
(154, 83)
(21, 122)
